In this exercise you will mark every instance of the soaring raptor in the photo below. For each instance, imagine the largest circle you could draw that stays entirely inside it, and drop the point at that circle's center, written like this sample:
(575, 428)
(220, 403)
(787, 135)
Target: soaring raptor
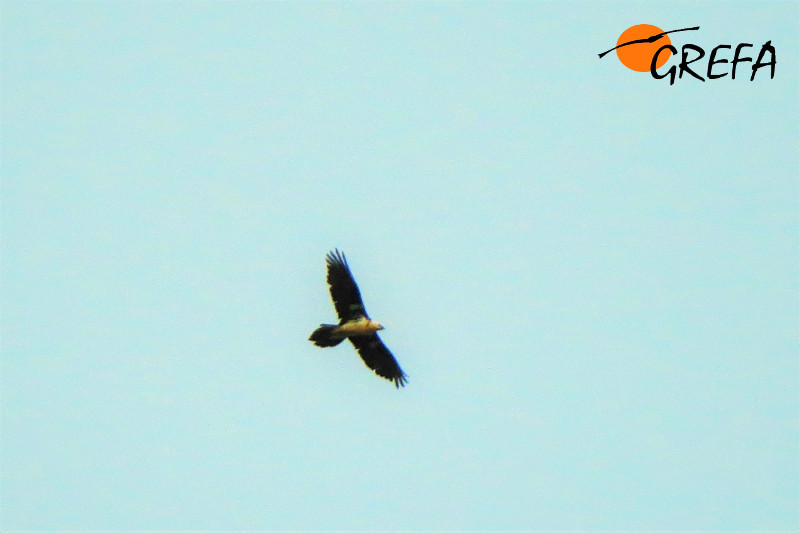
(355, 324)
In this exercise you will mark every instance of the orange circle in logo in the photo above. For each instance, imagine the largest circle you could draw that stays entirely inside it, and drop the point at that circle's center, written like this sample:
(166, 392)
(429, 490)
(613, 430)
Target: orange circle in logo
(639, 56)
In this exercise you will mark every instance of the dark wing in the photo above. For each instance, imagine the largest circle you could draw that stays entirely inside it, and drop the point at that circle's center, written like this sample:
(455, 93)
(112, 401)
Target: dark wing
(344, 291)
(378, 357)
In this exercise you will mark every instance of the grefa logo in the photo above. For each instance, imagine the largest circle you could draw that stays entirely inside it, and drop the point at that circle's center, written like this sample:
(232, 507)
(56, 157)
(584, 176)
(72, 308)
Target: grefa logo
(645, 47)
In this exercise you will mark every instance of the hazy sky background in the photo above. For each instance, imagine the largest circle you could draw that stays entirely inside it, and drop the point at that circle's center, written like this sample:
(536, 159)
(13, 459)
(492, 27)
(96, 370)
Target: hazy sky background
(590, 276)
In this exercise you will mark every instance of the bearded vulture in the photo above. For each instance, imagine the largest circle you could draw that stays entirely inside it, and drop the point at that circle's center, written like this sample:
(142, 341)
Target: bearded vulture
(355, 324)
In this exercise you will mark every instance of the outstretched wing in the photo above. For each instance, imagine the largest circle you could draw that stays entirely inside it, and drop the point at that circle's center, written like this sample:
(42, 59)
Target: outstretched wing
(378, 357)
(344, 291)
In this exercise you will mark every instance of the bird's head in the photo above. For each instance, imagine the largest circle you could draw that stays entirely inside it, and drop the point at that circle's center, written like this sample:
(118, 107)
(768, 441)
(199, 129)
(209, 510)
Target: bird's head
(375, 326)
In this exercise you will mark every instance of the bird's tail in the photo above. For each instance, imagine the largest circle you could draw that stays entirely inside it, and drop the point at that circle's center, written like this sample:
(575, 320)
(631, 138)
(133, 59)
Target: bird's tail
(323, 336)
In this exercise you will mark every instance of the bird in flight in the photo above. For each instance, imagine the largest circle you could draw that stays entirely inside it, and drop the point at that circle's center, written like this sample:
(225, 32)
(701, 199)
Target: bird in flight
(354, 323)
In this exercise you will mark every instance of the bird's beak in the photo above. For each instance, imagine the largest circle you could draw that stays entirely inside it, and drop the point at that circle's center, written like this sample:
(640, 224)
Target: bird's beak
(377, 325)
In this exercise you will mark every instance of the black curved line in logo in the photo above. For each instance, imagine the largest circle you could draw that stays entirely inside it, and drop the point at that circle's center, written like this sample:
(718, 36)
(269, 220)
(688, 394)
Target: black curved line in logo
(651, 39)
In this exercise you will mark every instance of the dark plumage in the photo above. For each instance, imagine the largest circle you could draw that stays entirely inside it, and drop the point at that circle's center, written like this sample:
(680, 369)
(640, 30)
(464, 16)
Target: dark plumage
(354, 323)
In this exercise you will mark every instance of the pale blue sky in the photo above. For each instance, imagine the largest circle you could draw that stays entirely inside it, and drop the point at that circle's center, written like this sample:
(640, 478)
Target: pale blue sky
(590, 276)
